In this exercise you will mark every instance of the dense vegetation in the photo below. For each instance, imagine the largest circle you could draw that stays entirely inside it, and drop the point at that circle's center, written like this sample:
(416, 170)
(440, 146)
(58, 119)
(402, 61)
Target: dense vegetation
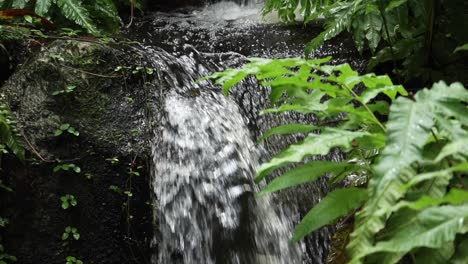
(403, 181)
(404, 177)
(418, 37)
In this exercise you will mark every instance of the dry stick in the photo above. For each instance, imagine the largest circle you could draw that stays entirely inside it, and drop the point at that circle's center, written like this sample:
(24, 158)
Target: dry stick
(131, 13)
(90, 73)
(33, 149)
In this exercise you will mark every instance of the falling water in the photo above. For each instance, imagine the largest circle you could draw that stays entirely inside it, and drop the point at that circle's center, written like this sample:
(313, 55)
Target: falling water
(204, 158)
(204, 162)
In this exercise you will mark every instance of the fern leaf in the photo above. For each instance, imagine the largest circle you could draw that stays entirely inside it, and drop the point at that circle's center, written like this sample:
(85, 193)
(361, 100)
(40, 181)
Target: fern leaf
(335, 205)
(42, 7)
(432, 228)
(394, 4)
(287, 129)
(340, 22)
(408, 129)
(461, 48)
(314, 144)
(108, 10)
(461, 254)
(307, 173)
(9, 135)
(74, 11)
(19, 4)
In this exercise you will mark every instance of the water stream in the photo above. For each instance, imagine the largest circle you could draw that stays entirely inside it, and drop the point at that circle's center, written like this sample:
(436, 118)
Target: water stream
(204, 155)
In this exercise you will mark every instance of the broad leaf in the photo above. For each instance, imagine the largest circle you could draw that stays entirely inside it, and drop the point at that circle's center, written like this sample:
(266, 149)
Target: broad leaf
(335, 205)
(314, 144)
(432, 228)
(408, 129)
(42, 7)
(308, 172)
(74, 11)
(19, 4)
(288, 129)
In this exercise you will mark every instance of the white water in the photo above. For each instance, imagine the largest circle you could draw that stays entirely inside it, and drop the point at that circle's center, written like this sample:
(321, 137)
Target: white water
(204, 161)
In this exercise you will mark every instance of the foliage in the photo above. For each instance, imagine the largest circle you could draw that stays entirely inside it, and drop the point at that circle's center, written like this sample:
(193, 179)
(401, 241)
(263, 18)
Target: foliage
(412, 33)
(9, 133)
(67, 167)
(67, 201)
(415, 163)
(66, 128)
(73, 260)
(71, 232)
(95, 16)
(67, 90)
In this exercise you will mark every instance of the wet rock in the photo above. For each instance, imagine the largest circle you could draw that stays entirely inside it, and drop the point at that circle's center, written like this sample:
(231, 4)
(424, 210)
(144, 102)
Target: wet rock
(75, 83)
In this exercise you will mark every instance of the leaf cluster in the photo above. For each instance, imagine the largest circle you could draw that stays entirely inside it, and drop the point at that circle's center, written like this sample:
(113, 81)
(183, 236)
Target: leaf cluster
(414, 165)
(408, 32)
(9, 133)
(95, 16)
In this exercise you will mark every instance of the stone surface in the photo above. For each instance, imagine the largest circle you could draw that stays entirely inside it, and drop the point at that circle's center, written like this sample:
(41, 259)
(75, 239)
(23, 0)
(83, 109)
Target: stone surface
(107, 108)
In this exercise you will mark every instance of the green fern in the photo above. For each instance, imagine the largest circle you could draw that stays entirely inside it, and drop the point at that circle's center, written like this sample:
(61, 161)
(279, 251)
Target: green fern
(9, 134)
(410, 203)
(74, 11)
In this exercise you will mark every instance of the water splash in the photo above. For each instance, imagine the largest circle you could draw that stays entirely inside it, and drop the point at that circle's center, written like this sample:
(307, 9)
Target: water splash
(204, 161)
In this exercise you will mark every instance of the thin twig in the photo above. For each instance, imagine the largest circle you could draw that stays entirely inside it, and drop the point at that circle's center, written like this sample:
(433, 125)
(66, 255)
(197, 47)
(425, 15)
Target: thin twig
(33, 149)
(132, 6)
(90, 73)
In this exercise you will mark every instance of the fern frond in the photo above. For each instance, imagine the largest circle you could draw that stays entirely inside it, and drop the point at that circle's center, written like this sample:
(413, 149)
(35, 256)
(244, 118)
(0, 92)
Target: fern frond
(341, 20)
(19, 4)
(9, 134)
(408, 129)
(74, 11)
(108, 11)
(42, 7)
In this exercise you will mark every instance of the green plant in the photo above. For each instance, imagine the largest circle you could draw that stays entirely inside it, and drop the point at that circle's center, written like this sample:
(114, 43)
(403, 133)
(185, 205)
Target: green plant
(66, 128)
(411, 33)
(5, 258)
(67, 167)
(73, 260)
(71, 232)
(67, 90)
(414, 164)
(9, 133)
(68, 201)
(94, 16)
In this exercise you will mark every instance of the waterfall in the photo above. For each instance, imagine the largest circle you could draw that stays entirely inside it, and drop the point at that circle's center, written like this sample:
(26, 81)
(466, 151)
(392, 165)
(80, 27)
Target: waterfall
(204, 162)
(203, 155)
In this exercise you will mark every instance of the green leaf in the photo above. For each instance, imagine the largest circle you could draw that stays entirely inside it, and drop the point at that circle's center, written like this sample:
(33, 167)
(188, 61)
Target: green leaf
(42, 7)
(9, 133)
(408, 129)
(394, 4)
(74, 11)
(64, 126)
(307, 173)
(461, 254)
(340, 22)
(65, 235)
(287, 129)
(19, 4)
(76, 236)
(390, 91)
(58, 132)
(314, 144)
(462, 48)
(335, 205)
(432, 228)
(454, 197)
(459, 146)
(108, 10)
